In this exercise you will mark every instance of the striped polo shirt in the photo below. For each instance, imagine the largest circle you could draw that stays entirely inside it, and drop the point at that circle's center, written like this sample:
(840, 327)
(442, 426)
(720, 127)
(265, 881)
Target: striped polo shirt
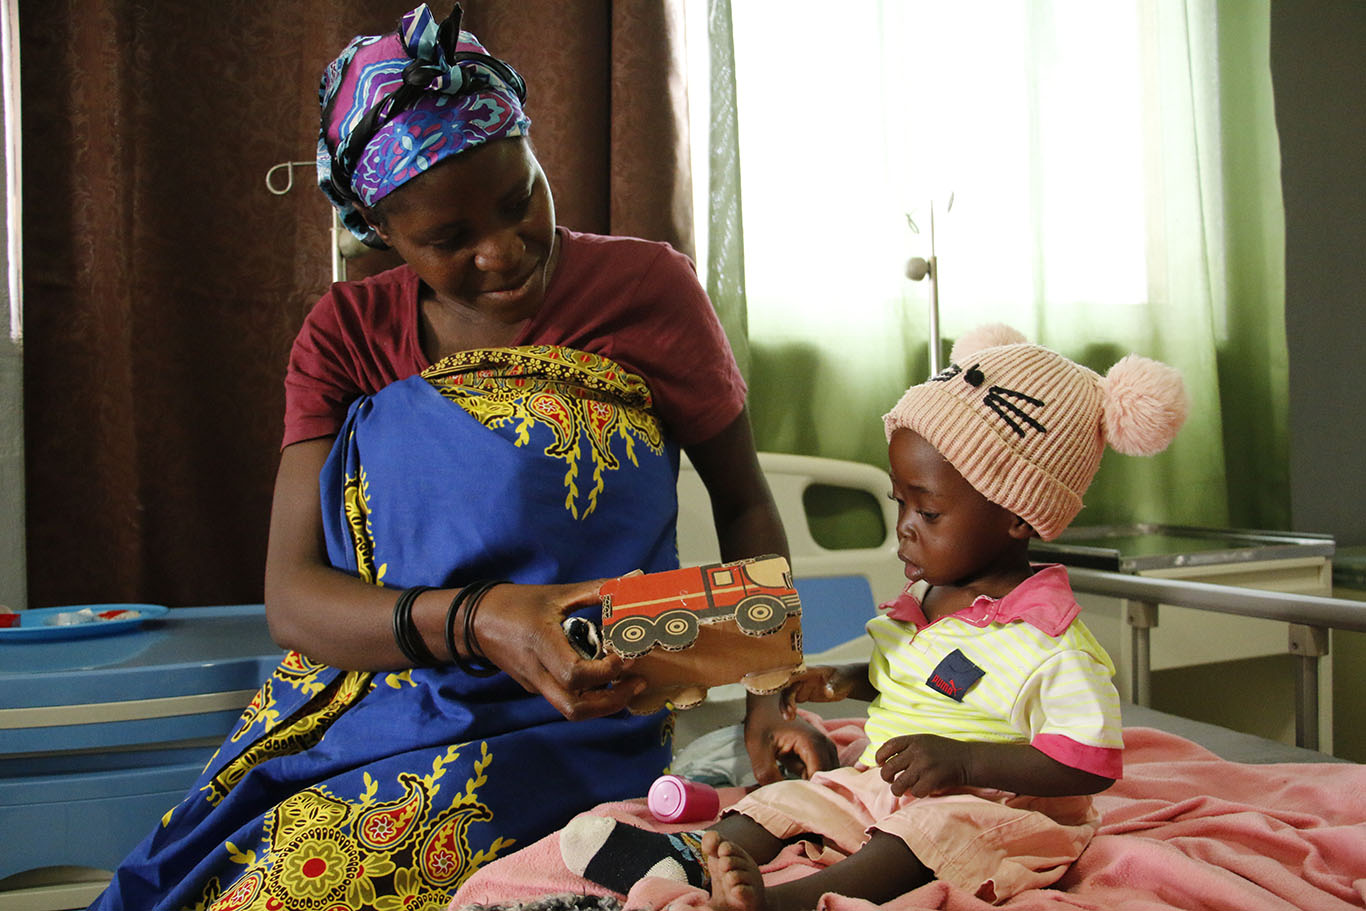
(1019, 669)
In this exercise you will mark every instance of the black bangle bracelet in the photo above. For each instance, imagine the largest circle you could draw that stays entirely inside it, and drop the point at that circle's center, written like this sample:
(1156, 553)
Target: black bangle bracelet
(406, 636)
(469, 597)
(472, 638)
(401, 609)
(451, 613)
(478, 664)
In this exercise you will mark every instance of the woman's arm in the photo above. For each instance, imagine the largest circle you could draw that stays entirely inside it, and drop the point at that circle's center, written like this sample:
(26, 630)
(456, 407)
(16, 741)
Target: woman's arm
(341, 620)
(747, 525)
(328, 615)
(747, 522)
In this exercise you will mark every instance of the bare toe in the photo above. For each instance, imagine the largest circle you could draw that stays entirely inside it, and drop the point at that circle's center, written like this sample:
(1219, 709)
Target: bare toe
(736, 884)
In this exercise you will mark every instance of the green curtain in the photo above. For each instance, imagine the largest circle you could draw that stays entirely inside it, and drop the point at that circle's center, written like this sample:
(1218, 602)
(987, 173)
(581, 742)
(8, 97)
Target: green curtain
(725, 227)
(1253, 359)
(1116, 187)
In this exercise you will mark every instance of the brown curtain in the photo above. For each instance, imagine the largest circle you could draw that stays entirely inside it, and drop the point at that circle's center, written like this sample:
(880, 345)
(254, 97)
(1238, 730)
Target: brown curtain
(163, 283)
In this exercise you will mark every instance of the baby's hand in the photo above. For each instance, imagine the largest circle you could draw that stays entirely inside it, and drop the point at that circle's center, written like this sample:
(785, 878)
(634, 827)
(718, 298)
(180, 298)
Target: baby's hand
(925, 764)
(823, 683)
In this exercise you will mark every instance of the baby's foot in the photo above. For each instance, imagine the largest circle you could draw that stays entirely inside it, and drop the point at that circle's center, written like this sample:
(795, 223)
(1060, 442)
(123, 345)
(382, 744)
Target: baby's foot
(735, 881)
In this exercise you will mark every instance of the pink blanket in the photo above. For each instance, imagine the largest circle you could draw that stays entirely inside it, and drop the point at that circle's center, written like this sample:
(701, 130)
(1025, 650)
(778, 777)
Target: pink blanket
(1184, 829)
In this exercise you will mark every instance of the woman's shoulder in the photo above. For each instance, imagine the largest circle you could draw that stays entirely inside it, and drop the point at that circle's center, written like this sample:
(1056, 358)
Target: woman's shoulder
(369, 305)
(581, 250)
(364, 315)
(595, 269)
(609, 243)
(382, 287)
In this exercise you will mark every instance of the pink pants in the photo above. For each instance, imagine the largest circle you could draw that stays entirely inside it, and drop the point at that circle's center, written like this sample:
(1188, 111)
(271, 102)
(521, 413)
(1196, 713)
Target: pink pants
(993, 844)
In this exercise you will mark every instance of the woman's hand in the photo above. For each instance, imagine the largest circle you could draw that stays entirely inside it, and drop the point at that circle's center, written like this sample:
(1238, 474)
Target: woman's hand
(924, 764)
(518, 628)
(777, 744)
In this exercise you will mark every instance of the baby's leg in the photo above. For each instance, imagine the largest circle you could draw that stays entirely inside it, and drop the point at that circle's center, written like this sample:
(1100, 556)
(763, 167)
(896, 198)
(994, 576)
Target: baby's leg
(881, 870)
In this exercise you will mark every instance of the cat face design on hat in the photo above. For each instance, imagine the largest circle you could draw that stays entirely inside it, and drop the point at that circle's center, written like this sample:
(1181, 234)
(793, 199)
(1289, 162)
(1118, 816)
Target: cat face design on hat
(1007, 403)
(1026, 427)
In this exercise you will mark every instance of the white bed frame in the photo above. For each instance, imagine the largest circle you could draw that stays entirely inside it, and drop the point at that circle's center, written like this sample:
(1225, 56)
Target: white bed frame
(789, 477)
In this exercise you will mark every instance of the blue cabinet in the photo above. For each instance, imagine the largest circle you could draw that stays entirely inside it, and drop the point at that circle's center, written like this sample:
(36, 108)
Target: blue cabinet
(99, 737)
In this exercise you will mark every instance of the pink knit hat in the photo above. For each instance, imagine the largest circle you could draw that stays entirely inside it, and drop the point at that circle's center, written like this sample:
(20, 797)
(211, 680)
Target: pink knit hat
(1026, 427)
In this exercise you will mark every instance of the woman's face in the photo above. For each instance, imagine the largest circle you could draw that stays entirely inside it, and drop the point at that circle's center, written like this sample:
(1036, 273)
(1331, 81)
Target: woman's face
(478, 228)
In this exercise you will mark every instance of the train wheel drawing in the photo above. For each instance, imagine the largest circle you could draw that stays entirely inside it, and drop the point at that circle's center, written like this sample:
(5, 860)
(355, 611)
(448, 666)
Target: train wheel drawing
(676, 629)
(632, 637)
(760, 614)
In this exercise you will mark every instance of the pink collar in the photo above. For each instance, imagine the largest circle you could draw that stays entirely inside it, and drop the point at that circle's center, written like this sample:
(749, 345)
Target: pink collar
(1044, 601)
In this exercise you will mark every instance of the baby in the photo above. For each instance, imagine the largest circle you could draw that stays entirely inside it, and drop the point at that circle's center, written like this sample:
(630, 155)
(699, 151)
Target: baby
(993, 716)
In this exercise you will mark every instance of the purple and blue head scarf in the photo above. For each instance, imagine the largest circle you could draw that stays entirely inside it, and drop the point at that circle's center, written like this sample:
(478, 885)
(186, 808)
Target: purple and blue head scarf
(394, 105)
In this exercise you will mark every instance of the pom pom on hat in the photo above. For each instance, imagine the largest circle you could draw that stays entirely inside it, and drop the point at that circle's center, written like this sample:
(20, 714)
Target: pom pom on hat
(1145, 405)
(988, 336)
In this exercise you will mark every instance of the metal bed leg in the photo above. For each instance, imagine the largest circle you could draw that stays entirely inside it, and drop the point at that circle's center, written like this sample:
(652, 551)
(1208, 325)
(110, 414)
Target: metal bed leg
(1141, 617)
(1307, 644)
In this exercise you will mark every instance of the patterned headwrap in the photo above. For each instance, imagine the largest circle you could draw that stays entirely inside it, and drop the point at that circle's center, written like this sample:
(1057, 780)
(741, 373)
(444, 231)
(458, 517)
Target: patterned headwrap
(394, 105)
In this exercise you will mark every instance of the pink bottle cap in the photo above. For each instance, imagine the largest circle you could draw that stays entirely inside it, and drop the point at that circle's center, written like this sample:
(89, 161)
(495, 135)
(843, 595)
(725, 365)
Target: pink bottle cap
(675, 799)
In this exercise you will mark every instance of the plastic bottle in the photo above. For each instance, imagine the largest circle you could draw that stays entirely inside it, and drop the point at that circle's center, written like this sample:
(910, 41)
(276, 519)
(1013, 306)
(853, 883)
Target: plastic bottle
(675, 799)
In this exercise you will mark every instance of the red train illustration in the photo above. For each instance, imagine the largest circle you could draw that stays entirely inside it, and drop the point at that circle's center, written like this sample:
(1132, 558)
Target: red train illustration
(666, 609)
(701, 626)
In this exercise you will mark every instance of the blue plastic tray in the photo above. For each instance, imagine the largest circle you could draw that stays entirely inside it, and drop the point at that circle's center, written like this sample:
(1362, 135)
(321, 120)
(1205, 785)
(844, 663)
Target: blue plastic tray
(39, 626)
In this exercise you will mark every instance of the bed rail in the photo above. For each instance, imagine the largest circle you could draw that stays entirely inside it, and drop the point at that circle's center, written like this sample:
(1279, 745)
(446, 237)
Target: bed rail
(1310, 618)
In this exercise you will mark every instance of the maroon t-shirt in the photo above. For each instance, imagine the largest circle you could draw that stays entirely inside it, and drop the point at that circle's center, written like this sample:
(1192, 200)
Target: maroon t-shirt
(637, 302)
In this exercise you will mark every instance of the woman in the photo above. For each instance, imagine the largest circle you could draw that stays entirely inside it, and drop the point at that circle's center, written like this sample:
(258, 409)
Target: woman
(471, 440)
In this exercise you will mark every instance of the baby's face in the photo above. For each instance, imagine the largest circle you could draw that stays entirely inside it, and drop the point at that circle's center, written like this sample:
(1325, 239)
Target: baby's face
(947, 532)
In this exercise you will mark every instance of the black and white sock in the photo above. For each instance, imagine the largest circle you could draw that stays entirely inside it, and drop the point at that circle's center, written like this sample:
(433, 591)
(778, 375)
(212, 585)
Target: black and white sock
(617, 856)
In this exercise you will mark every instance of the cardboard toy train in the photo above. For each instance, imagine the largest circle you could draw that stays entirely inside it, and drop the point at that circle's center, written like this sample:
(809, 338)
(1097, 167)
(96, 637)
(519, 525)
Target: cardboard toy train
(702, 626)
